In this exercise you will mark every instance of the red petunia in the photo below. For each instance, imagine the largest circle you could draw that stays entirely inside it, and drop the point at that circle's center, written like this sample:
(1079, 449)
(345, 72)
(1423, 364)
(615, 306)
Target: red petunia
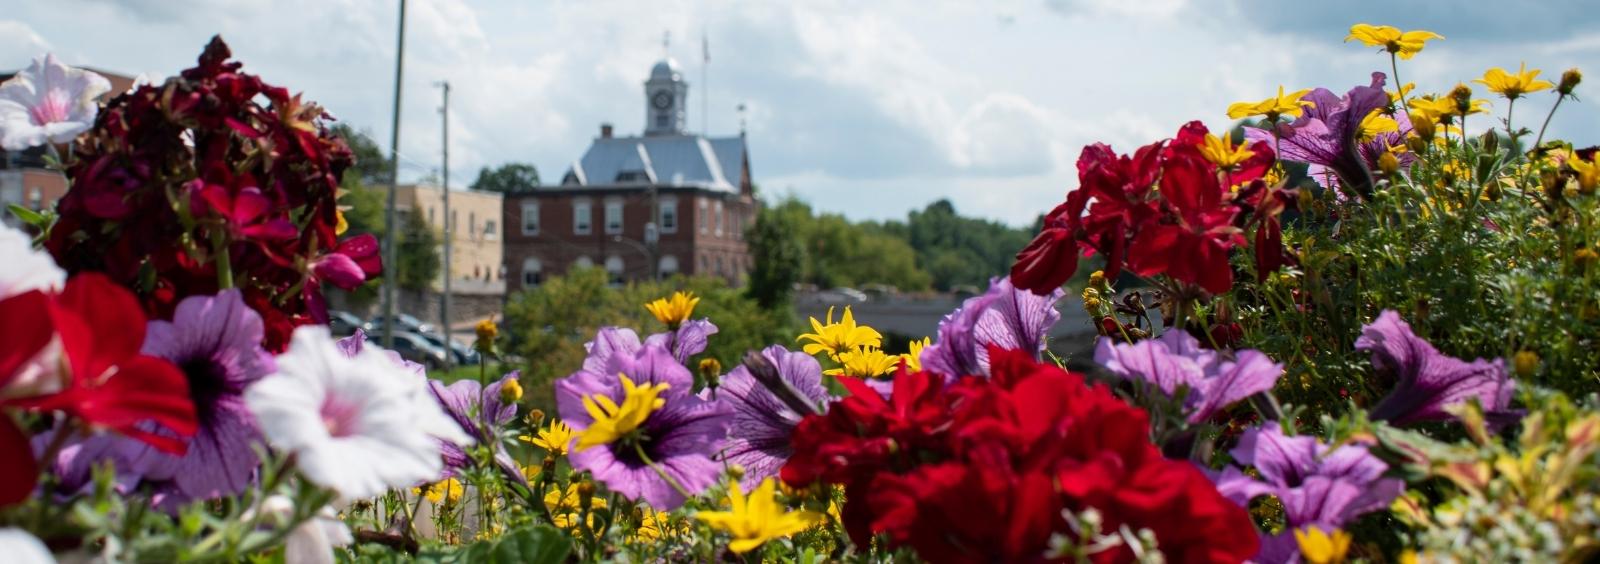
(981, 471)
(105, 381)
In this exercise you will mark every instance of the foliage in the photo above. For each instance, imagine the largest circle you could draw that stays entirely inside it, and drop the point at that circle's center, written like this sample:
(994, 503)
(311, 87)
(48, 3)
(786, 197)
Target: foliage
(419, 263)
(507, 178)
(840, 253)
(778, 256)
(957, 250)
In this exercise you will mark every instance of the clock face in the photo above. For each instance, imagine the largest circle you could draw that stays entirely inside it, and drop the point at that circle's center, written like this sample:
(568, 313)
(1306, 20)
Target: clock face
(662, 100)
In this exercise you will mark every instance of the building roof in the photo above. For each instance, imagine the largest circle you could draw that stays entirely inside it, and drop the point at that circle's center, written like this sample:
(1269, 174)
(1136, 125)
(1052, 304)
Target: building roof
(665, 160)
(665, 69)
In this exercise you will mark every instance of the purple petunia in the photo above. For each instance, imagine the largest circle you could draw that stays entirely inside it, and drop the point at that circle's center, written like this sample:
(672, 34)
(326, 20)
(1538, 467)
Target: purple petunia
(690, 339)
(1003, 317)
(1318, 486)
(1176, 360)
(759, 438)
(1429, 382)
(1326, 135)
(481, 414)
(216, 342)
(679, 437)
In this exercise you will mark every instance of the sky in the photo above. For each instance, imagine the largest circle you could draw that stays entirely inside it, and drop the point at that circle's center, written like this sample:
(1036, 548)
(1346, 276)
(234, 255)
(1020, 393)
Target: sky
(866, 109)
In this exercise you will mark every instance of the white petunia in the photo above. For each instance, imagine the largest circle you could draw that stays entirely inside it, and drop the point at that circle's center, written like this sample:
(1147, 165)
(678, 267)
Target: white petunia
(25, 268)
(21, 547)
(358, 424)
(312, 541)
(48, 102)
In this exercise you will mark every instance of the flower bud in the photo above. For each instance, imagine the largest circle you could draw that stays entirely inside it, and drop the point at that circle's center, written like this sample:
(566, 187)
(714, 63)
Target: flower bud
(511, 391)
(1097, 278)
(1525, 363)
(535, 418)
(735, 471)
(1462, 95)
(711, 371)
(1585, 257)
(1493, 192)
(1490, 142)
(487, 330)
(1388, 163)
(1569, 81)
(585, 492)
(1425, 130)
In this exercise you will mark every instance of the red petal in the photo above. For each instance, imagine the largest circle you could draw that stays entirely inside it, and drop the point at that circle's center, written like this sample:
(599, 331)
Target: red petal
(112, 324)
(19, 472)
(26, 319)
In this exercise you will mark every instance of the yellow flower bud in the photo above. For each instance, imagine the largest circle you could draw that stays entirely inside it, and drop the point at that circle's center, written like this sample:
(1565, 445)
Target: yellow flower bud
(1569, 81)
(1425, 130)
(711, 371)
(1525, 363)
(1585, 256)
(1097, 278)
(511, 391)
(1462, 95)
(487, 330)
(535, 418)
(735, 471)
(1388, 163)
(1490, 142)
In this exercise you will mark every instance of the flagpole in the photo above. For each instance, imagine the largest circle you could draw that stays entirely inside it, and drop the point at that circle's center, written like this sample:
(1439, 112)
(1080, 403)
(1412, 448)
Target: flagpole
(705, 84)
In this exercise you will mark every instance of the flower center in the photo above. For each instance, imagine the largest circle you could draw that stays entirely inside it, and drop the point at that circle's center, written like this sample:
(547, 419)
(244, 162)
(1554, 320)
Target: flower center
(339, 416)
(207, 382)
(612, 421)
(52, 108)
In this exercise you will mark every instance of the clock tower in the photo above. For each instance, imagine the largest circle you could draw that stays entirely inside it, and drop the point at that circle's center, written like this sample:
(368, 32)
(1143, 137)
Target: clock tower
(665, 97)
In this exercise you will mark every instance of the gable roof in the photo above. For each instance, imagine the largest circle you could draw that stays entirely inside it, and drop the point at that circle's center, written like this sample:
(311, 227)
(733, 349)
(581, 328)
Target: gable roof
(668, 160)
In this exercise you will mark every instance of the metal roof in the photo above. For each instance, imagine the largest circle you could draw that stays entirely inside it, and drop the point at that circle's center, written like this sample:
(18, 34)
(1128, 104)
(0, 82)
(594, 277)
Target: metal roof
(670, 160)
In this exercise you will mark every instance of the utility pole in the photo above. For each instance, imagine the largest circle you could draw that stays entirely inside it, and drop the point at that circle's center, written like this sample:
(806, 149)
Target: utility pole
(705, 84)
(449, 232)
(389, 229)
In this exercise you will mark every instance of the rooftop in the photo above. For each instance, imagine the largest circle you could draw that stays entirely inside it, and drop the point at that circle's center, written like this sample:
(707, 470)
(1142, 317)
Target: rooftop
(713, 163)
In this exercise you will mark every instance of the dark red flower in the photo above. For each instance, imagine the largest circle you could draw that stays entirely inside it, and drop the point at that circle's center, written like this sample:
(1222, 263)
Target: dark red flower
(981, 471)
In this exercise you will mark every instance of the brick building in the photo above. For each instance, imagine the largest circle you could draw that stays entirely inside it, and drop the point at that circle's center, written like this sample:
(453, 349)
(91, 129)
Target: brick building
(661, 203)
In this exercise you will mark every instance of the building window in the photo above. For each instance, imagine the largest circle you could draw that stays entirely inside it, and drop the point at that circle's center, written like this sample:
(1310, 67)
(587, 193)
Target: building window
(491, 230)
(532, 273)
(669, 215)
(472, 225)
(431, 220)
(719, 266)
(661, 121)
(705, 264)
(614, 268)
(581, 217)
(455, 215)
(668, 266)
(583, 262)
(702, 220)
(717, 216)
(613, 217)
(530, 218)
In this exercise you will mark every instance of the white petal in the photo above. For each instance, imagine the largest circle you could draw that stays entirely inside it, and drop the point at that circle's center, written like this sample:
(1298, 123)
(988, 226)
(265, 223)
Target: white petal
(21, 547)
(25, 268)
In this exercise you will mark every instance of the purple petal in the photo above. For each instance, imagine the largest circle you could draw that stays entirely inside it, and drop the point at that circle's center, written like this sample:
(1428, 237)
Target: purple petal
(761, 425)
(1427, 381)
(609, 341)
(1251, 373)
(1016, 320)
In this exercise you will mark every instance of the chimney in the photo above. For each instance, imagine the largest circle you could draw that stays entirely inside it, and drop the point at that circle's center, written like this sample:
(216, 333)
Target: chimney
(605, 131)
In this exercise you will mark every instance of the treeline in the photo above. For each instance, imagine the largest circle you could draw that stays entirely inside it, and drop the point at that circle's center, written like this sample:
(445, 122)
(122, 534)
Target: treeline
(934, 248)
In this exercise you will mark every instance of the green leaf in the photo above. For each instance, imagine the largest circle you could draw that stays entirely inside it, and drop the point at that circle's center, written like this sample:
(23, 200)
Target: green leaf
(530, 545)
(27, 216)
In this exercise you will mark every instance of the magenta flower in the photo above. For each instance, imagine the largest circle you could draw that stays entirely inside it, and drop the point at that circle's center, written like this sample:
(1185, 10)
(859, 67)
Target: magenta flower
(216, 342)
(679, 438)
(1328, 135)
(48, 102)
(759, 438)
(1429, 382)
(246, 212)
(1327, 488)
(1175, 361)
(1004, 317)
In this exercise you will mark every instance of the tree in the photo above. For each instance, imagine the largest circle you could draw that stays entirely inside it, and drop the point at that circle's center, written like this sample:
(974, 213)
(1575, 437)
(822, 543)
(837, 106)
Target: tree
(418, 255)
(779, 259)
(507, 178)
(372, 167)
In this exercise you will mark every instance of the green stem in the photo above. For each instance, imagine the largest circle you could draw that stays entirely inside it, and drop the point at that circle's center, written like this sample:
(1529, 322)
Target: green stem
(639, 448)
(1510, 107)
(1547, 117)
(1400, 88)
(219, 245)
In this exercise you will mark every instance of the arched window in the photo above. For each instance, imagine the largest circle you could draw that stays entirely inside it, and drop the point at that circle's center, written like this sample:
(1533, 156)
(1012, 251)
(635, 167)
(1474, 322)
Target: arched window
(583, 262)
(532, 273)
(668, 265)
(614, 267)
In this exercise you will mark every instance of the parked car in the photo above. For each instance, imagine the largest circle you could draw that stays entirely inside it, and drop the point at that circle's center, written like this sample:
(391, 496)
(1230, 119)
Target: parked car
(344, 323)
(841, 296)
(461, 354)
(403, 322)
(416, 348)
